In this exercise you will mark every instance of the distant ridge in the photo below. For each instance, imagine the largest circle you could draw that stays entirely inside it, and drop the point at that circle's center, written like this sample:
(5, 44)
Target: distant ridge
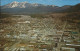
(28, 8)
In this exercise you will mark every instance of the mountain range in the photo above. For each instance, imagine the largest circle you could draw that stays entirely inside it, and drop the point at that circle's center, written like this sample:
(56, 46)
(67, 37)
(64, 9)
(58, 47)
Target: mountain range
(27, 8)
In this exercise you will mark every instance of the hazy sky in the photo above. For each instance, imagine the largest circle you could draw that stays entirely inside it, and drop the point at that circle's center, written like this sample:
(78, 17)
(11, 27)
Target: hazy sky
(47, 2)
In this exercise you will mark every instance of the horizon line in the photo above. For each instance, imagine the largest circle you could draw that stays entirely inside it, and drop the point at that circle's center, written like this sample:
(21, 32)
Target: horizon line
(41, 3)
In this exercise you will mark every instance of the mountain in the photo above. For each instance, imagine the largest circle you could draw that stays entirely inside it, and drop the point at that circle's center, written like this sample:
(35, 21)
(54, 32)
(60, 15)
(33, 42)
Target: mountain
(25, 7)
(21, 5)
(75, 8)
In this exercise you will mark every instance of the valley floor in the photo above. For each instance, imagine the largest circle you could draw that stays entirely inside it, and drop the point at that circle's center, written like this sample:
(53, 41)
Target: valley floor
(53, 32)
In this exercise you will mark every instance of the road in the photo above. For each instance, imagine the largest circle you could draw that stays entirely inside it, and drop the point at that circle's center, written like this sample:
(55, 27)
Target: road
(60, 40)
(13, 47)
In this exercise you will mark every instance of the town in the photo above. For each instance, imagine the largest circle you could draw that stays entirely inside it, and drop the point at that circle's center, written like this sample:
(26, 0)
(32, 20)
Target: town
(51, 33)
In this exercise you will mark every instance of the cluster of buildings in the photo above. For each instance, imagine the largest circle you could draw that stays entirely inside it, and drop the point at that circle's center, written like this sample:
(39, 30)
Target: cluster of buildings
(40, 35)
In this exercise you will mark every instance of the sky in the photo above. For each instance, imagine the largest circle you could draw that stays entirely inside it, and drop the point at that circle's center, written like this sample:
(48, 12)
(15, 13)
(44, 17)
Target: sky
(46, 2)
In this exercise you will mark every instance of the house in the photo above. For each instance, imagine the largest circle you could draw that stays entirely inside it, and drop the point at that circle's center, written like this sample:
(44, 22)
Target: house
(67, 49)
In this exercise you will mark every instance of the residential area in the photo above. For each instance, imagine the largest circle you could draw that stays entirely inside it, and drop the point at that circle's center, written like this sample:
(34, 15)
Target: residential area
(24, 33)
